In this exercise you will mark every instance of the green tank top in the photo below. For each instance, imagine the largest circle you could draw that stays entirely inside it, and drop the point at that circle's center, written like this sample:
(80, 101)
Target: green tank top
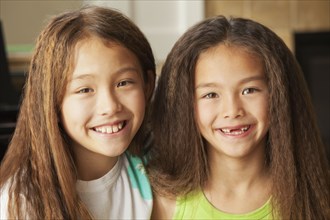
(196, 206)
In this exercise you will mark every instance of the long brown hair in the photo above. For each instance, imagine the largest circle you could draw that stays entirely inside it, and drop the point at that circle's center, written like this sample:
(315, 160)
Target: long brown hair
(38, 165)
(294, 152)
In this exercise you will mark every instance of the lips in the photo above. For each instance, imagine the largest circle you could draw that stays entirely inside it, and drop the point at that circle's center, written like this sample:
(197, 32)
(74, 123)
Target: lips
(110, 129)
(235, 130)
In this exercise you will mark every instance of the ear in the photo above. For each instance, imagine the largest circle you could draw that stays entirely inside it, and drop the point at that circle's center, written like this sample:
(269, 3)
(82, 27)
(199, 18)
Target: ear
(150, 84)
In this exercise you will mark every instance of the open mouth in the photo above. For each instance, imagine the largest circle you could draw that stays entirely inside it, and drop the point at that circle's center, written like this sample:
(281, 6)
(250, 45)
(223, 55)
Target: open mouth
(235, 131)
(110, 129)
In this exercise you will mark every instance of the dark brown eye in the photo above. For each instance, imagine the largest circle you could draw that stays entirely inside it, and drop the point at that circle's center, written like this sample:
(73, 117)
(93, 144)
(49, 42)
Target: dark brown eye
(211, 95)
(85, 90)
(124, 83)
(248, 91)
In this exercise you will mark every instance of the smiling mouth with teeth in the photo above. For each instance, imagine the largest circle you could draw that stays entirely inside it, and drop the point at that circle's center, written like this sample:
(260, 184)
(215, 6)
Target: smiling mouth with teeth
(110, 129)
(237, 131)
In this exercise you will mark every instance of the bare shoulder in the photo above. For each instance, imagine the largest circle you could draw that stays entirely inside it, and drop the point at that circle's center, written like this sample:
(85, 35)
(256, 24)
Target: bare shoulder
(163, 207)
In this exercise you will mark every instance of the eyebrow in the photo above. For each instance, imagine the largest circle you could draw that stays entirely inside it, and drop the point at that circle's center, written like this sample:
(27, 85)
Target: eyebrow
(81, 77)
(253, 78)
(245, 80)
(120, 71)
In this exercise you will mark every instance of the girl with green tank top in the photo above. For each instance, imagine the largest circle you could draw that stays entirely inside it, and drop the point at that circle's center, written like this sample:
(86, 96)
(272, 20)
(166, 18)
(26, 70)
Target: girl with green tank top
(234, 131)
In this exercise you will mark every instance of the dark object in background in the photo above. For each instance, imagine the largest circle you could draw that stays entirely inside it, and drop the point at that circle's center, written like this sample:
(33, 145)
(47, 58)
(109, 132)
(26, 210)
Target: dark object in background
(313, 54)
(9, 99)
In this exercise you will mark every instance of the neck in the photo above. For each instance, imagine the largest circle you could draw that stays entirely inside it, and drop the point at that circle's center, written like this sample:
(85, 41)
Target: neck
(93, 166)
(233, 180)
(234, 171)
(237, 178)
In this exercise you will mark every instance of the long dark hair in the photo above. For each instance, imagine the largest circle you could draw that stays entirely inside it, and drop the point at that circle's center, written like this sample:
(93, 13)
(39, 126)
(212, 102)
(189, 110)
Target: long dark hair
(294, 152)
(39, 164)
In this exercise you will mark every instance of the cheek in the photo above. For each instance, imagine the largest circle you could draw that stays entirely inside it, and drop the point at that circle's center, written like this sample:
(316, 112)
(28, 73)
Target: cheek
(135, 102)
(67, 121)
(203, 116)
(65, 112)
(262, 110)
(72, 114)
(140, 105)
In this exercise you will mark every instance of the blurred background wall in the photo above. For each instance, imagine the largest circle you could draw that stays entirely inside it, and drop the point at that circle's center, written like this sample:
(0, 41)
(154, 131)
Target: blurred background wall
(164, 21)
(284, 17)
(23, 20)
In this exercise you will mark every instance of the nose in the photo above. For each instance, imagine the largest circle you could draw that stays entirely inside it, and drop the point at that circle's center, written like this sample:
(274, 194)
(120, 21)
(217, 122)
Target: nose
(108, 103)
(232, 107)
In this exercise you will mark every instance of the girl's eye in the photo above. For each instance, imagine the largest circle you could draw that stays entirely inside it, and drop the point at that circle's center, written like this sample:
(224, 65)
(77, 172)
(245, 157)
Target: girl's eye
(249, 91)
(85, 90)
(124, 83)
(211, 95)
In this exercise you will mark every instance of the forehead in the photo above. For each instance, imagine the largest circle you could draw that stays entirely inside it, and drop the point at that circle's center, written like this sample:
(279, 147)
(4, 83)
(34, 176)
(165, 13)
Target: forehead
(223, 52)
(89, 43)
(227, 64)
(98, 53)
(230, 49)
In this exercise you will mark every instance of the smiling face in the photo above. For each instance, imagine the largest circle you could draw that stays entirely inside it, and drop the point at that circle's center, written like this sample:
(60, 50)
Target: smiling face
(104, 102)
(231, 101)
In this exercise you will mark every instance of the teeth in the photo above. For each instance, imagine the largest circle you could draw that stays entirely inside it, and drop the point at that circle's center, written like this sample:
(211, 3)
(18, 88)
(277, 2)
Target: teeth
(110, 129)
(235, 131)
(120, 126)
(225, 130)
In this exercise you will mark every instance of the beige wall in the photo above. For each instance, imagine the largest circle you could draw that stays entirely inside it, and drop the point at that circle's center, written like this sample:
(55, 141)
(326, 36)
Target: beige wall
(284, 17)
(23, 19)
